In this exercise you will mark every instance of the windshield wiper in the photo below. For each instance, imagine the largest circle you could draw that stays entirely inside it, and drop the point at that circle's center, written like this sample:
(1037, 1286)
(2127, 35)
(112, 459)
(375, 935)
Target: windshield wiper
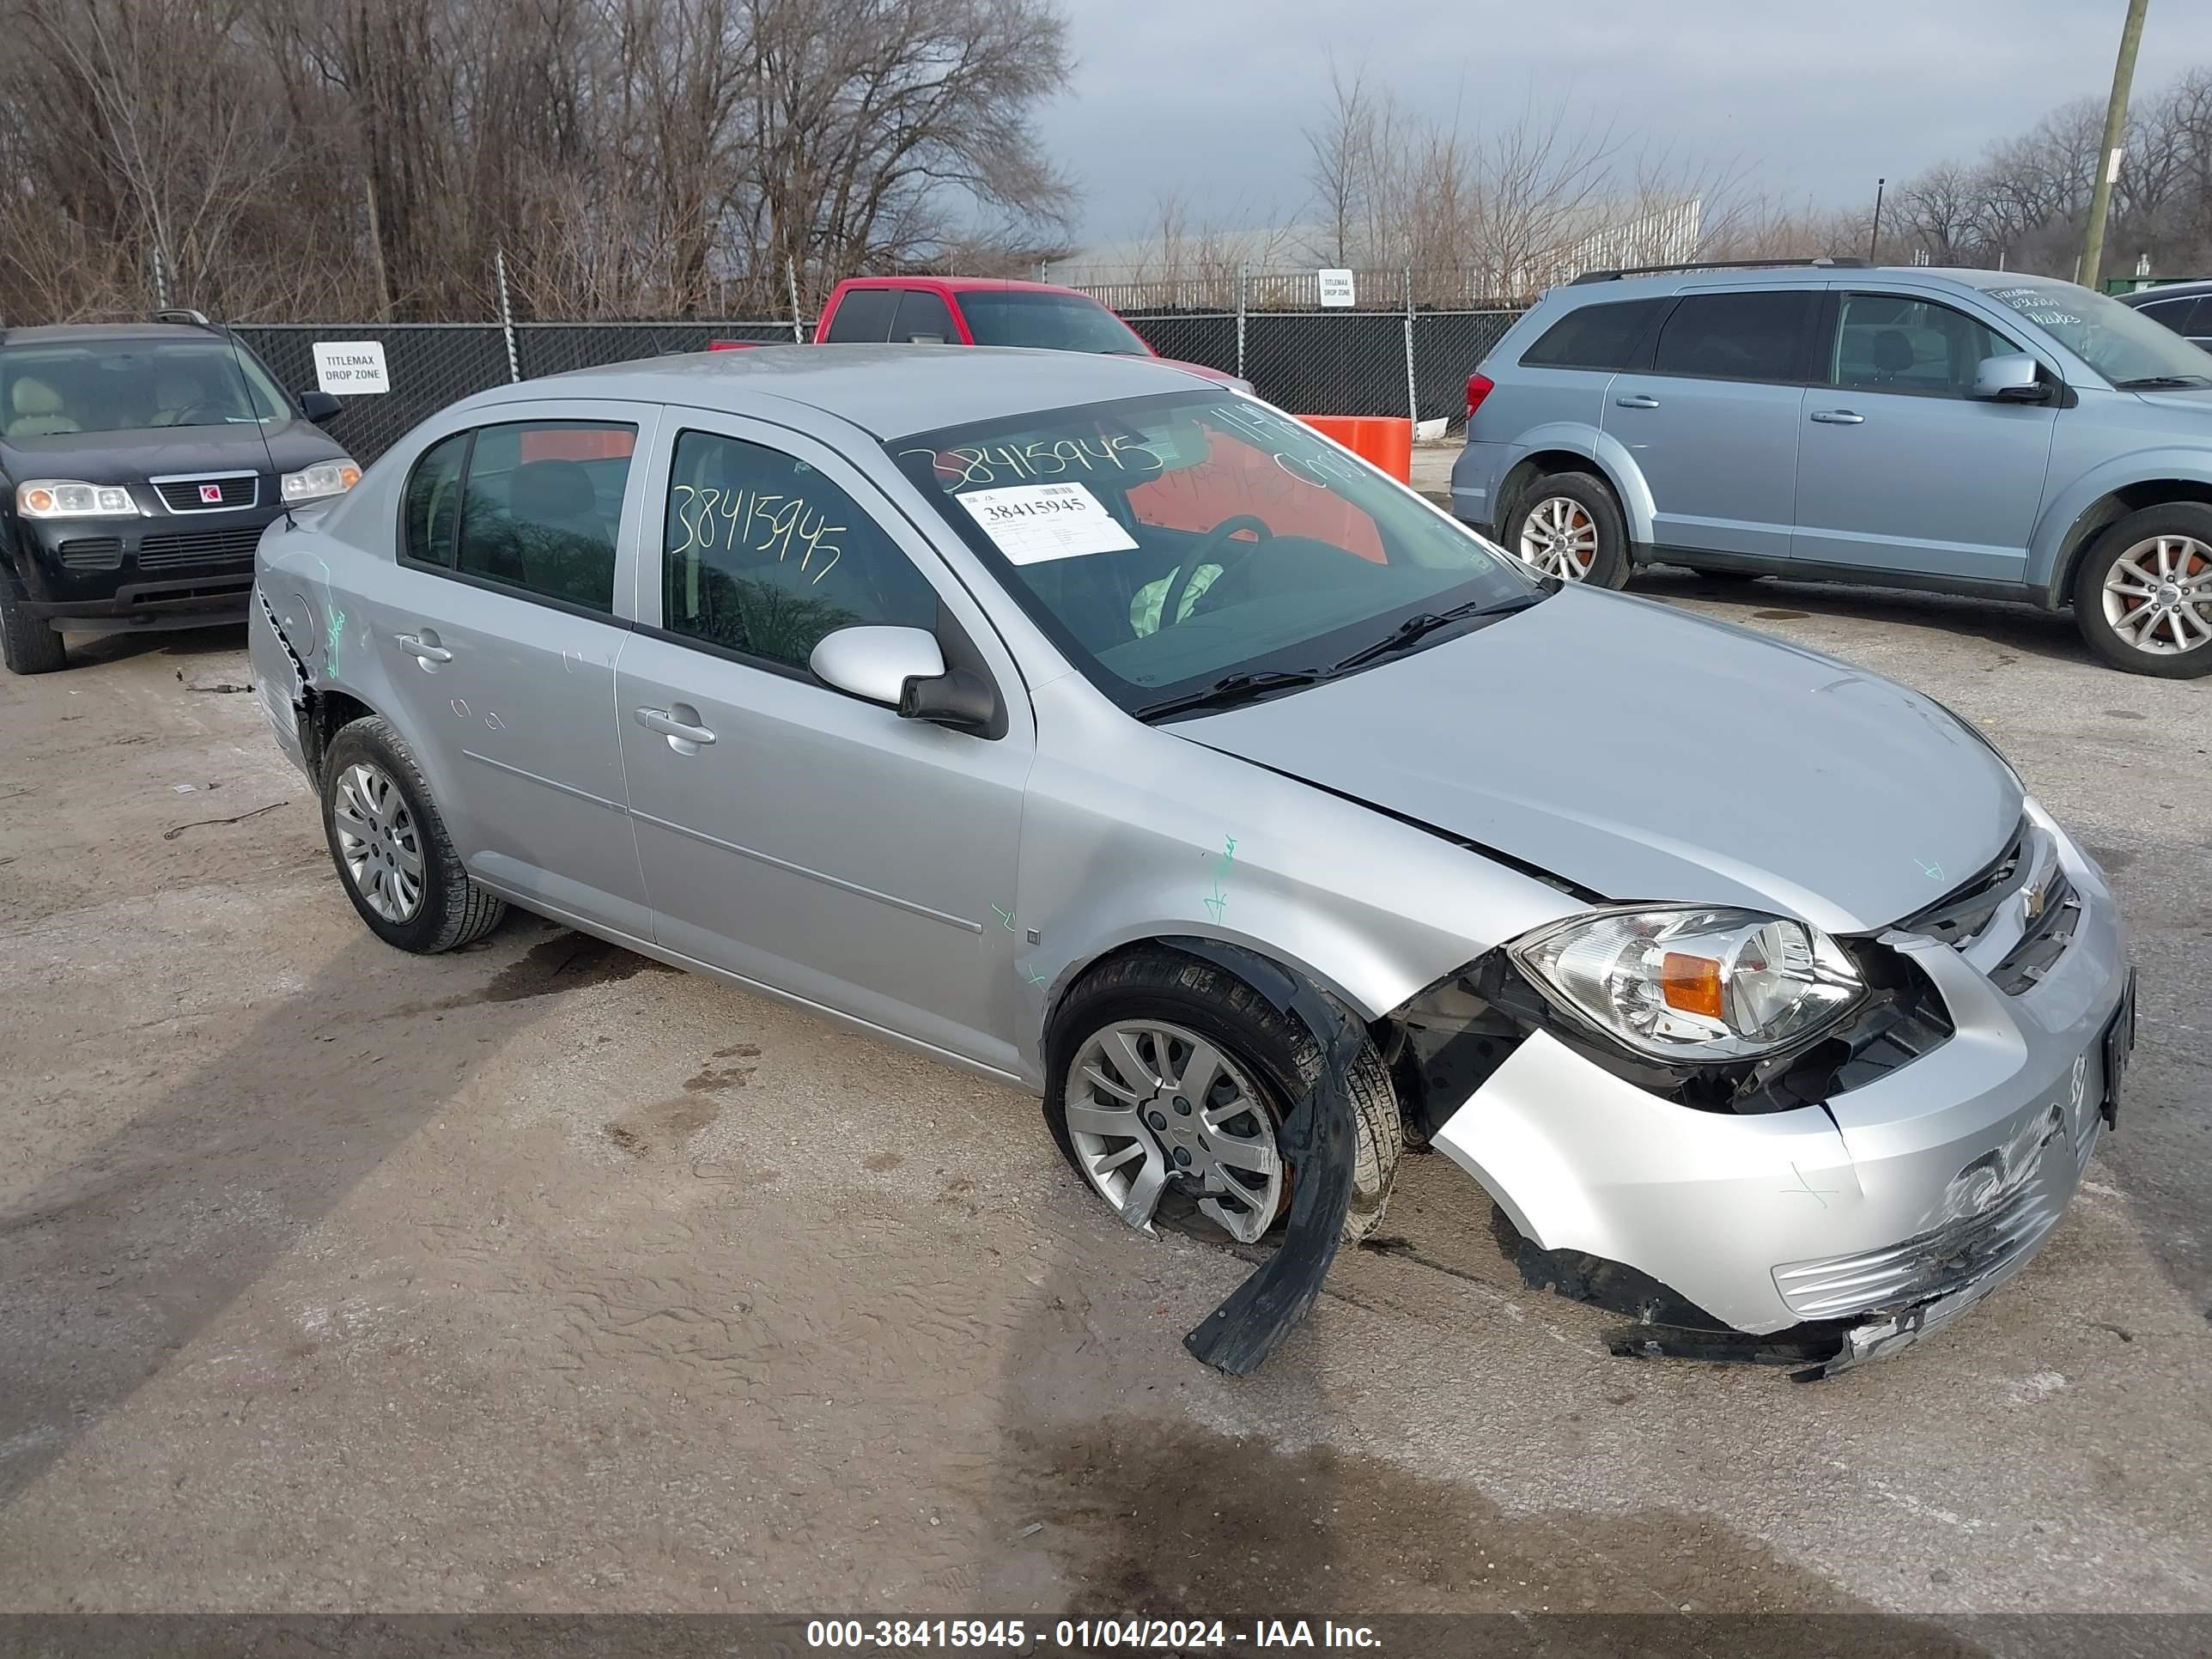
(1232, 688)
(2152, 382)
(1416, 628)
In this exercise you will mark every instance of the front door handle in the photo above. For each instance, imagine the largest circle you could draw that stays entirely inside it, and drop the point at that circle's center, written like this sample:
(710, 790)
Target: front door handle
(1638, 400)
(679, 725)
(424, 651)
(1839, 417)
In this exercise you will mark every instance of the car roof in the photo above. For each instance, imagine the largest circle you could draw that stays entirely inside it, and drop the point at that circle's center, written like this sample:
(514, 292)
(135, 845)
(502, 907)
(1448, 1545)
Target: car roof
(2143, 296)
(87, 333)
(966, 285)
(1807, 274)
(889, 391)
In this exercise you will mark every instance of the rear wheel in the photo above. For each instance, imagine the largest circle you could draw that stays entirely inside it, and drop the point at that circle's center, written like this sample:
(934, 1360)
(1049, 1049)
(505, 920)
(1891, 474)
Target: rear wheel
(28, 645)
(1170, 1075)
(2143, 596)
(1567, 524)
(391, 847)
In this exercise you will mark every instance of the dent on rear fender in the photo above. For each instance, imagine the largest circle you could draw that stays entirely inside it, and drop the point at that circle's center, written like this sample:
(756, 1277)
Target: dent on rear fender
(1704, 1202)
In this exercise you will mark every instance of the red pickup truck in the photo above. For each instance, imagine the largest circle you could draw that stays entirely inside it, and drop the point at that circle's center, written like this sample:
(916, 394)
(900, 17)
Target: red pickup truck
(984, 311)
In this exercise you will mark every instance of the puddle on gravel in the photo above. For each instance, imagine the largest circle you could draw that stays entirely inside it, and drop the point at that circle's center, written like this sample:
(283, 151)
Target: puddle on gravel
(561, 961)
(1174, 1516)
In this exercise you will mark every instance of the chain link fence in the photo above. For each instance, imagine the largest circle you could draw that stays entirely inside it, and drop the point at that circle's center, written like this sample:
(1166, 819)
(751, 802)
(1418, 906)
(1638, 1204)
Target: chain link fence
(1313, 362)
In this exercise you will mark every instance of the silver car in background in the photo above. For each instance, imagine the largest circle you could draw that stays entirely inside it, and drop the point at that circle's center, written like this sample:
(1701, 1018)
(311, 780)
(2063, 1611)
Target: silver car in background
(1975, 432)
(991, 701)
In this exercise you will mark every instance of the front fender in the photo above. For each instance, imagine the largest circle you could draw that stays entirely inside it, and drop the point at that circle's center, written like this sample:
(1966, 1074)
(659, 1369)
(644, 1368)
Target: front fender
(1175, 839)
(1611, 459)
(2048, 566)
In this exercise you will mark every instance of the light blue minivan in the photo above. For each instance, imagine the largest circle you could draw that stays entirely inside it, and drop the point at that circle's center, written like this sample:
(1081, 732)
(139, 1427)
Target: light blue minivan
(1975, 432)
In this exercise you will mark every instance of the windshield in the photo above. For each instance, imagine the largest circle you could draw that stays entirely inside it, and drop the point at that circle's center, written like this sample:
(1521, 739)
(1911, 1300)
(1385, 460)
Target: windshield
(126, 385)
(1059, 322)
(2119, 343)
(1167, 543)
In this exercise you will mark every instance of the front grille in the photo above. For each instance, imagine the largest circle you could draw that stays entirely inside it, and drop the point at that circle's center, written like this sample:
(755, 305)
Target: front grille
(234, 546)
(184, 494)
(92, 553)
(2044, 943)
(1953, 1256)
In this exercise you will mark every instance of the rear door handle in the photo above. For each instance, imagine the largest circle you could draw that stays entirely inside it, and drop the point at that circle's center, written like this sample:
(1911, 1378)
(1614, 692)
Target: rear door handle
(678, 725)
(423, 650)
(1839, 417)
(1638, 400)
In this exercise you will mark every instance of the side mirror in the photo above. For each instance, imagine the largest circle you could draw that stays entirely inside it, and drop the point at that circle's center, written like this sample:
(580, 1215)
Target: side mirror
(318, 406)
(877, 662)
(2010, 379)
(957, 698)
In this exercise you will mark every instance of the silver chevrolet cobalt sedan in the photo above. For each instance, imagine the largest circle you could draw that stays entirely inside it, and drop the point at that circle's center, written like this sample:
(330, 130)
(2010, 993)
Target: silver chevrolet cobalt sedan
(999, 703)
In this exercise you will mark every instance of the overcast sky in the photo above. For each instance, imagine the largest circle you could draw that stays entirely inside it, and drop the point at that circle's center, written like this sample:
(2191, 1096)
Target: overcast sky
(1817, 97)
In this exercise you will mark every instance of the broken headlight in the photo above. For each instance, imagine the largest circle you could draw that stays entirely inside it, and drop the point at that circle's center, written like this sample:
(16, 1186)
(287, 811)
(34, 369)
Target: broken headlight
(1684, 983)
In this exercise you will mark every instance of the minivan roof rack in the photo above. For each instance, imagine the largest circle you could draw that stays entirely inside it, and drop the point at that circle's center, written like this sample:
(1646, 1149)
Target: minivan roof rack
(1846, 262)
(183, 315)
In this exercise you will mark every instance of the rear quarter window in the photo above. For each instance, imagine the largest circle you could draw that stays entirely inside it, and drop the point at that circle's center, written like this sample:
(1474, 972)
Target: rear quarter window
(1595, 337)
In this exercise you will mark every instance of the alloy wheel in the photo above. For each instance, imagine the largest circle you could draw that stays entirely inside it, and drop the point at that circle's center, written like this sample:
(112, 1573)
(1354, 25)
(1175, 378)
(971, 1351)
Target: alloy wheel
(377, 841)
(1152, 1105)
(1559, 537)
(2158, 595)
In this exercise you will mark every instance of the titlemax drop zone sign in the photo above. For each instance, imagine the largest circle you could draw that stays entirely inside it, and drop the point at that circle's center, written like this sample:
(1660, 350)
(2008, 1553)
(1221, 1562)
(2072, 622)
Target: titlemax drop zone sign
(349, 368)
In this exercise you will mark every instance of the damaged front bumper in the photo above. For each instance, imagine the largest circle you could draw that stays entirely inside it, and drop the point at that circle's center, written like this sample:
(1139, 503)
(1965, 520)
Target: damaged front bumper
(1832, 1233)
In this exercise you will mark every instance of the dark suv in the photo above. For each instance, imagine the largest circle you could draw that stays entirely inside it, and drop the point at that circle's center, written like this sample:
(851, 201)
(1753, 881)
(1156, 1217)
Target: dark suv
(139, 462)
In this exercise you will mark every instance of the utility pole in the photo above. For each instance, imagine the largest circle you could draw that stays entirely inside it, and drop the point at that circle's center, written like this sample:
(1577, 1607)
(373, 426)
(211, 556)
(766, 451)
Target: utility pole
(2108, 158)
(1874, 238)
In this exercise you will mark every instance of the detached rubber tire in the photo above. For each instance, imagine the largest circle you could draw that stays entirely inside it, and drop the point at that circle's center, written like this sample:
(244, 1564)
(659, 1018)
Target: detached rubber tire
(1568, 525)
(2098, 614)
(449, 910)
(1274, 1049)
(28, 646)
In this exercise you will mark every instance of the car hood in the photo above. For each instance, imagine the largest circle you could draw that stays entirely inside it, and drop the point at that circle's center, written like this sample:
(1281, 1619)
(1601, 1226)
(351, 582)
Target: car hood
(157, 452)
(1645, 753)
(1221, 376)
(2198, 400)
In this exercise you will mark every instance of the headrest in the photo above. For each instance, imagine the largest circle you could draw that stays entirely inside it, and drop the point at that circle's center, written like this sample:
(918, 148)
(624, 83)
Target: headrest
(1893, 352)
(36, 397)
(551, 490)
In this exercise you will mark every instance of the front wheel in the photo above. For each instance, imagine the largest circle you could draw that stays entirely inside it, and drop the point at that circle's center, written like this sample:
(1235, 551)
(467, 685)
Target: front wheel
(2142, 597)
(1169, 1074)
(1567, 526)
(28, 645)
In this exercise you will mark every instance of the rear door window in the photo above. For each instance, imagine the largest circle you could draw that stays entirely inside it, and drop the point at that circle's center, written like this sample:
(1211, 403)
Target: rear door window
(2190, 317)
(1595, 337)
(864, 314)
(541, 506)
(923, 320)
(1733, 335)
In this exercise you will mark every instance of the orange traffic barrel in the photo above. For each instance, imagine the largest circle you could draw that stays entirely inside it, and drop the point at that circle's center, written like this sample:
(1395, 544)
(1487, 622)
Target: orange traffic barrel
(1385, 441)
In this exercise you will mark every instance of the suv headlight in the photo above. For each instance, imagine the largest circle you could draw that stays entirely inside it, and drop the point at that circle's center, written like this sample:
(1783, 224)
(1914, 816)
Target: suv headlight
(65, 498)
(1683, 982)
(323, 478)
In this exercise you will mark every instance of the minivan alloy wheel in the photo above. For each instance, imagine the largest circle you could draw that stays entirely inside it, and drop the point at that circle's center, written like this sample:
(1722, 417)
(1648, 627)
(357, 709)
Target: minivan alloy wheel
(377, 841)
(1560, 538)
(2158, 595)
(1152, 1105)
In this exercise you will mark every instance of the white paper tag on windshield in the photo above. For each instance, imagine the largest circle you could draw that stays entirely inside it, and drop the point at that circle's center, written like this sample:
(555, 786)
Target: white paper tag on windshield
(1032, 523)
